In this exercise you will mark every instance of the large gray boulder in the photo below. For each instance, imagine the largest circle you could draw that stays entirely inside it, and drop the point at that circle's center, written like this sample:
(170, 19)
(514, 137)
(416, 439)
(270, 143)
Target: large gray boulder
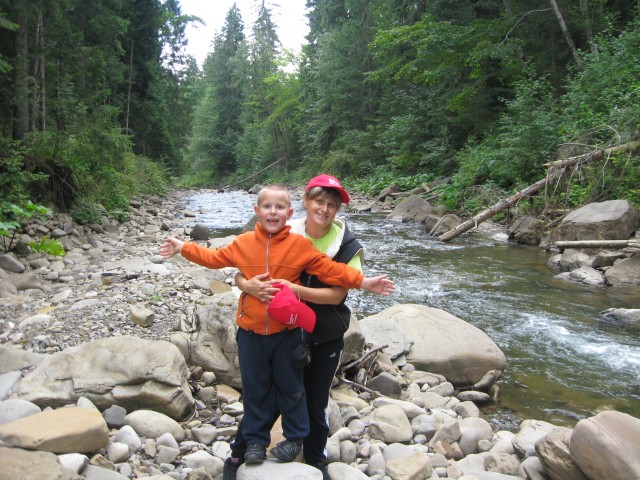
(527, 230)
(441, 343)
(128, 371)
(210, 339)
(415, 209)
(624, 273)
(607, 446)
(553, 452)
(610, 220)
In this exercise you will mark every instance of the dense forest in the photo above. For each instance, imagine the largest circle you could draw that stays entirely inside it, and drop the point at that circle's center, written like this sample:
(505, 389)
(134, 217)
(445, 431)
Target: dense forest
(471, 98)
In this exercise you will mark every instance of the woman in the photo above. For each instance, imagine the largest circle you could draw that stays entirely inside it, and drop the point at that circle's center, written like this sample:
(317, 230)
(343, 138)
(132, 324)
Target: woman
(323, 197)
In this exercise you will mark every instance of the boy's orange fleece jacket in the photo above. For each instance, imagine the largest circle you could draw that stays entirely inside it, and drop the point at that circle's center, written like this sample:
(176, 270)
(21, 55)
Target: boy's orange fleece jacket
(282, 255)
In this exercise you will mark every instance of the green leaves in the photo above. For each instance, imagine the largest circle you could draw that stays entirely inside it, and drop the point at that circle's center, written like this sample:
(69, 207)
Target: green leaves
(12, 215)
(47, 245)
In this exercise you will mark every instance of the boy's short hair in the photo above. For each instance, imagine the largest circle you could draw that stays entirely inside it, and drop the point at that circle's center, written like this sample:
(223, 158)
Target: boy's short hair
(275, 187)
(315, 192)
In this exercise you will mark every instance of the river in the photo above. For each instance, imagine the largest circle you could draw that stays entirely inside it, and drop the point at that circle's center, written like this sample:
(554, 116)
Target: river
(565, 361)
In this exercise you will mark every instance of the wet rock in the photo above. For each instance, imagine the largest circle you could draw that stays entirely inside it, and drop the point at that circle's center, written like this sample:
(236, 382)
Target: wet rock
(629, 316)
(624, 273)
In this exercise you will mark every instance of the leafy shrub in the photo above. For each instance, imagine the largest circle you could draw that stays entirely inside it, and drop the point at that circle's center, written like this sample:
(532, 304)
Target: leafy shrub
(50, 246)
(602, 103)
(85, 212)
(382, 177)
(14, 177)
(11, 216)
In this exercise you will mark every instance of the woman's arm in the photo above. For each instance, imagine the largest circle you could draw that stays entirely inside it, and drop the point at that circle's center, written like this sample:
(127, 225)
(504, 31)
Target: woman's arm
(262, 289)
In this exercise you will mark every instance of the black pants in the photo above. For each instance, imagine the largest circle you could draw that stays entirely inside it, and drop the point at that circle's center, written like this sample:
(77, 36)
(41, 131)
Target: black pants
(318, 375)
(271, 384)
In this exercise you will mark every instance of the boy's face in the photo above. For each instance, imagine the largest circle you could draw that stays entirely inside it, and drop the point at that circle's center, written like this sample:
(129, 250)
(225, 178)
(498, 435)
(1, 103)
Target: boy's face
(273, 210)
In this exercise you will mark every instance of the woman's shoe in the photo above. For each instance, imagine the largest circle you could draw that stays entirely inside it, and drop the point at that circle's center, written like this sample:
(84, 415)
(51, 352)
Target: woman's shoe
(230, 469)
(322, 467)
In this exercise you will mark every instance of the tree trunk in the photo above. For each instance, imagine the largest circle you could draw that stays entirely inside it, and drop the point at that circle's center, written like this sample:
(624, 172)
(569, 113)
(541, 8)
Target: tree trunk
(595, 155)
(507, 8)
(40, 102)
(490, 212)
(588, 25)
(126, 125)
(597, 244)
(565, 31)
(21, 125)
(555, 169)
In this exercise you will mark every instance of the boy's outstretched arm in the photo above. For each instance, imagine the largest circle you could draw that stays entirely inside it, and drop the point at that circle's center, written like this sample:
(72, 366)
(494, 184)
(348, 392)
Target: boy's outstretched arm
(170, 247)
(380, 285)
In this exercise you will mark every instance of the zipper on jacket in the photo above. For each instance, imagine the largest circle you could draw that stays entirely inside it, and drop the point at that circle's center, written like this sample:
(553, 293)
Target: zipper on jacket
(266, 315)
(243, 301)
(344, 324)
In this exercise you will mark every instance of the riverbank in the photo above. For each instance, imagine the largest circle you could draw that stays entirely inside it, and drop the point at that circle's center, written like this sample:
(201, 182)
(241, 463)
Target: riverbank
(112, 279)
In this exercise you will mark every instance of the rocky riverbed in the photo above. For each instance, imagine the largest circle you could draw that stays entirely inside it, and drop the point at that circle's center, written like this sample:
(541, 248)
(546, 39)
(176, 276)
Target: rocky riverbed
(91, 330)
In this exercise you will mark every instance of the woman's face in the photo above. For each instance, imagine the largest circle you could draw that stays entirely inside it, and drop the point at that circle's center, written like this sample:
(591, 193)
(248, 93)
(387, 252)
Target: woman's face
(321, 210)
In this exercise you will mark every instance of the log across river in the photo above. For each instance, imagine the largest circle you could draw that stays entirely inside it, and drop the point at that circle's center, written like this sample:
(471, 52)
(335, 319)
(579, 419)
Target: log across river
(565, 361)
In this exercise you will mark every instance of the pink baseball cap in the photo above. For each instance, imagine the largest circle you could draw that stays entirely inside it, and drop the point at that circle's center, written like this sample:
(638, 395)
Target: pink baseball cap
(327, 181)
(286, 308)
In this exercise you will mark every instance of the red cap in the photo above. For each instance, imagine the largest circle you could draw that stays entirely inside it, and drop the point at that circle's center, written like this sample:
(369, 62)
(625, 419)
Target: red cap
(327, 181)
(286, 308)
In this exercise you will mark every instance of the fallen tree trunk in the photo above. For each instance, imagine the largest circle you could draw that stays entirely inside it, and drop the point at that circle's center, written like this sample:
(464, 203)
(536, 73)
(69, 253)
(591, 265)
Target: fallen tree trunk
(490, 212)
(555, 169)
(597, 244)
(595, 155)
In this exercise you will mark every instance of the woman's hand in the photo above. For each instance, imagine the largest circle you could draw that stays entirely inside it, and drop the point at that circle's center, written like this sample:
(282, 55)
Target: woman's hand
(170, 247)
(259, 286)
(380, 285)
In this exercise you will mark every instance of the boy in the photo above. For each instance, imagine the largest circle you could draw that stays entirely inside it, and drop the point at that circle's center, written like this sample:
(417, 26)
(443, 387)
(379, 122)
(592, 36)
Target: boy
(271, 382)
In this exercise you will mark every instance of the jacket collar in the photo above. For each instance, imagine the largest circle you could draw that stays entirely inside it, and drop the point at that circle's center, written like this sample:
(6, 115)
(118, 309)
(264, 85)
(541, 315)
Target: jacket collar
(263, 234)
(298, 226)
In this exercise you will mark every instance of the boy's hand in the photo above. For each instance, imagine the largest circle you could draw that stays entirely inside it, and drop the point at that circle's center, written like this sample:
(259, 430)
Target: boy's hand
(380, 285)
(170, 247)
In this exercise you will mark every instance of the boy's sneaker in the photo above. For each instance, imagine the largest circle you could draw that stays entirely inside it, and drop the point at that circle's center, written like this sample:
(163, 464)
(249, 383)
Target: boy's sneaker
(287, 450)
(230, 469)
(255, 453)
(323, 468)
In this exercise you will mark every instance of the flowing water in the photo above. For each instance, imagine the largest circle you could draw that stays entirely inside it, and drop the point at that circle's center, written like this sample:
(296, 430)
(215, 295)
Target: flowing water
(565, 361)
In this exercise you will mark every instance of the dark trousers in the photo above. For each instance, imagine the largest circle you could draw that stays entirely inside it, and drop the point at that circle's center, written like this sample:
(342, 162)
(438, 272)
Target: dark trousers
(318, 375)
(270, 384)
